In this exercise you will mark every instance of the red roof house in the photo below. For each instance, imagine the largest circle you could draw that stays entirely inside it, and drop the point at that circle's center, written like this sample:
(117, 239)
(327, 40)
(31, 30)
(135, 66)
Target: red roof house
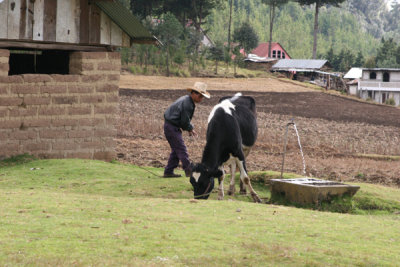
(277, 51)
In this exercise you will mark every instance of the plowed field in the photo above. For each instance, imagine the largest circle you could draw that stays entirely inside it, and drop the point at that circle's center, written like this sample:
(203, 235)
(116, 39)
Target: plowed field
(340, 136)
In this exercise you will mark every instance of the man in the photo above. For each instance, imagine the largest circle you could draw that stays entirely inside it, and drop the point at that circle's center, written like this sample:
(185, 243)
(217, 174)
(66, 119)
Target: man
(178, 117)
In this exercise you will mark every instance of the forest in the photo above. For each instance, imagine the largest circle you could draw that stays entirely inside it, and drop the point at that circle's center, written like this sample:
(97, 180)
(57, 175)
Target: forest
(347, 33)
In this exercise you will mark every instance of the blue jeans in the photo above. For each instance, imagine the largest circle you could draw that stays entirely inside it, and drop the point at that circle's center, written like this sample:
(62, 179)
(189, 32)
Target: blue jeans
(178, 148)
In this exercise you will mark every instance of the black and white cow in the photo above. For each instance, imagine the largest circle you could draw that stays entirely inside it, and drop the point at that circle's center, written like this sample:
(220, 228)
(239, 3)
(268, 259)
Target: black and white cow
(231, 132)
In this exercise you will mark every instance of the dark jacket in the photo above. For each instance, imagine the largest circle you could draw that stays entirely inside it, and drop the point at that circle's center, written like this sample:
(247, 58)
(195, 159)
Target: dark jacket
(180, 113)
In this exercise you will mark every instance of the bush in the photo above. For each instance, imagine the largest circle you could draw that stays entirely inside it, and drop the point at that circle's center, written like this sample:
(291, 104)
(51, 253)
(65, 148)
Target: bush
(390, 101)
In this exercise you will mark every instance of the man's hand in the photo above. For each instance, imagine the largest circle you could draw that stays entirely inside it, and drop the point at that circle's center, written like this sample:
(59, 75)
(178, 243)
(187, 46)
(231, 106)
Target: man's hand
(193, 133)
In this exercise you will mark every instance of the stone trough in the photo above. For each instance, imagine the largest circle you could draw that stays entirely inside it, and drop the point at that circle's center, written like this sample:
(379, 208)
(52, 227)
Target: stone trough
(310, 190)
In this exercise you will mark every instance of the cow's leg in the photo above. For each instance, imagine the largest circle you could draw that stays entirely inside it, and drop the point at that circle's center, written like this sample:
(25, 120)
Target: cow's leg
(221, 185)
(246, 152)
(246, 180)
(232, 183)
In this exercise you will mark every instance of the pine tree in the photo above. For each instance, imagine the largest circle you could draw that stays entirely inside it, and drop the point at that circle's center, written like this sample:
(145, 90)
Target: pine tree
(318, 5)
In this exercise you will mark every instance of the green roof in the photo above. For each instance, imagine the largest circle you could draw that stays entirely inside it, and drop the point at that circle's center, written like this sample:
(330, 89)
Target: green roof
(126, 21)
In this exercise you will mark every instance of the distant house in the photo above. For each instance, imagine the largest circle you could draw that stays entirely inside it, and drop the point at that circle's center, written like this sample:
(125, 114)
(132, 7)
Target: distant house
(352, 77)
(277, 51)
(380, 84)
(312, 70)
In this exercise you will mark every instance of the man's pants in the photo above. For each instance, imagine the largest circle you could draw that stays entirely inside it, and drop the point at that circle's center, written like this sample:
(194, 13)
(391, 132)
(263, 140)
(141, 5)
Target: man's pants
(178, 148)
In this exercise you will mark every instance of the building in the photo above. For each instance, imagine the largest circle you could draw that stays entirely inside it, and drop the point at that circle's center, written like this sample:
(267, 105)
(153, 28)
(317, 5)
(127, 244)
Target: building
(352, 77)
(277, 51)
(381, 85)
(59, 76)
(309, 70)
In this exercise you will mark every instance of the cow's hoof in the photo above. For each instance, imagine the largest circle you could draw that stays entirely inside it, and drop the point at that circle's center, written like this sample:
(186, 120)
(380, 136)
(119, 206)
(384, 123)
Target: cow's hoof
(256, 199)
(231, 190)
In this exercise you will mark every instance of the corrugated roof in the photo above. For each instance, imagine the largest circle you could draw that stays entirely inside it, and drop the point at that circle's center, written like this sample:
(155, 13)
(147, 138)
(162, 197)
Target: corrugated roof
(126, 21)
(300, 64)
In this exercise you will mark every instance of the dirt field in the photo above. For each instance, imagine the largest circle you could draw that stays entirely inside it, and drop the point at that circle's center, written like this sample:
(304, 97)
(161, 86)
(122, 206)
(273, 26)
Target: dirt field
(336, 132)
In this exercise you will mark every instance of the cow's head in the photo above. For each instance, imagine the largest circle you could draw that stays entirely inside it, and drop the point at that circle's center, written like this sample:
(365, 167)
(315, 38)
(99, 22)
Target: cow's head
(202, 180)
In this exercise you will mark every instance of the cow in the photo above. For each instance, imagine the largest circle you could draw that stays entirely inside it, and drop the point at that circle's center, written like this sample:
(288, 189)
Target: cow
(231, 132)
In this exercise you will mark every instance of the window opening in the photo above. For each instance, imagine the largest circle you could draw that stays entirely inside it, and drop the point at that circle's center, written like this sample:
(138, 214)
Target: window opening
(372, 76)
(273, 53)
(38, 62)
(283, 55)
(386, 77)
(279, 54)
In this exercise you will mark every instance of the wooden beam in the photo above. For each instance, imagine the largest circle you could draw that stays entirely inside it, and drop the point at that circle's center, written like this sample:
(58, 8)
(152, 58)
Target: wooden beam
(53, 46)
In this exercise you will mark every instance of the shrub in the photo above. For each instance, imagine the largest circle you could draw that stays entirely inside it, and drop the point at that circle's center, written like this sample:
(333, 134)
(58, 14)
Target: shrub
(390, 101)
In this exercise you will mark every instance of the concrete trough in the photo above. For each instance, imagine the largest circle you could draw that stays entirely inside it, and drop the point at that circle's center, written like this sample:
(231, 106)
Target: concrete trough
(310, 190)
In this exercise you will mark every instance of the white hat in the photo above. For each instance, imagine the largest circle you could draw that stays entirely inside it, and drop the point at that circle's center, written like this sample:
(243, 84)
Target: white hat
(200, 88)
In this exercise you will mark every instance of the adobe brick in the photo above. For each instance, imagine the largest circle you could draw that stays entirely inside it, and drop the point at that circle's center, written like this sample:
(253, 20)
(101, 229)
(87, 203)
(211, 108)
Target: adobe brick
(33, 147)
(80, 133)
(4, 68)
(10, 149)
(79, 155)
(14, 79)
(51, 111)
(41, 122)
(53, 89)
(65, 145)
(65, 100)
(3, 113)
(94, 55)
(3, 89)
(79, 110)
(113, 77)
(106, 66)
(65, 78)
(65, 122)
(53, 134)
(108, 87)
(4, 136)
(23, 112)
(93, 78)
(87, 66)
(10, 101)
(51, 155)
(92, 122)
(92, 99)
(105, 109)
(80, 88)
(36, 78)
(91, 144)
(4, 53)
(25, 89)
(114, 55)
(10, 124)
(23, 135)
(33, 100)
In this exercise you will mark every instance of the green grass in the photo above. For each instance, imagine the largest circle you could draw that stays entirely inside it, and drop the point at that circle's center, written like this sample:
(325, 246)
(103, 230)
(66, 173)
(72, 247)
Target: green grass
(92, 213)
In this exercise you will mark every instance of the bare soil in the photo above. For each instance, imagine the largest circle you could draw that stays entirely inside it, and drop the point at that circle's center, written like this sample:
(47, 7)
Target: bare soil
(339, 134)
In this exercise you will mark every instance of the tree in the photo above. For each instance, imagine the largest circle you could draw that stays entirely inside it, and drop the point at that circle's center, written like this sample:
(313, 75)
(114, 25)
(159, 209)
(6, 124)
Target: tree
(318, 5)
(359, 60)
(246, 37)
(216, 53)
(387, 54)
(273, 4)
(169, 31)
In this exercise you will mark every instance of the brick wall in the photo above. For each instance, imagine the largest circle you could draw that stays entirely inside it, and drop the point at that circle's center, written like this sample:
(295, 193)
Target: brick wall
(61, 116)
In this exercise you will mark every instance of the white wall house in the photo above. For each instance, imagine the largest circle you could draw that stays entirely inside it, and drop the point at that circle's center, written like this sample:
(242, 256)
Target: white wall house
(381, 85)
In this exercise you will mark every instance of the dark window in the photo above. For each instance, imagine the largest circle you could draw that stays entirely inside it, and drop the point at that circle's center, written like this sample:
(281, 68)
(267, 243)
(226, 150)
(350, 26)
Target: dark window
(372, 76)
(273, 53)
(279, 54)
(386, 77)
(44, 62)
(283, 55)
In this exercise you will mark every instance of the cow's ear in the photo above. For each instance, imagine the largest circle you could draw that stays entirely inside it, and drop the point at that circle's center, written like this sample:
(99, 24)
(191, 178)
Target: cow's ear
(217, 173)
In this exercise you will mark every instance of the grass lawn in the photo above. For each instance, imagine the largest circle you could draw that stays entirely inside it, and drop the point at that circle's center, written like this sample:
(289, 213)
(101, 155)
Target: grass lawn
(84, 212)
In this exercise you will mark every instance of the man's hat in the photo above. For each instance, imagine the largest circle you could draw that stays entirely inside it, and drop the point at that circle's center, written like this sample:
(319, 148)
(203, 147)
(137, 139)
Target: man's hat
(200, 88)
